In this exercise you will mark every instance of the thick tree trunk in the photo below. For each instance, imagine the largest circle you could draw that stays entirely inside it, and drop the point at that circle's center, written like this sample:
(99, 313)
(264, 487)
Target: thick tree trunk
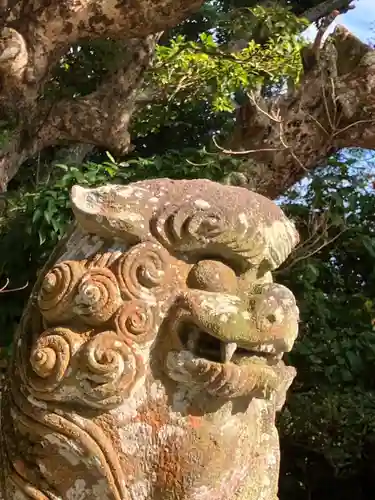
(100, 118)
(13, 155)
(333, 108)
(33, 37)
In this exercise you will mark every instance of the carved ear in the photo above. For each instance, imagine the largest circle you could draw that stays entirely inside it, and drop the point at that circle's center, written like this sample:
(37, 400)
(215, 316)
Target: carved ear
(112, 211)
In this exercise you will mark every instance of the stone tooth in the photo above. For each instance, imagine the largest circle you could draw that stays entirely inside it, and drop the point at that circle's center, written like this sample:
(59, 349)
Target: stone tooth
(264, 349)
(227, 350)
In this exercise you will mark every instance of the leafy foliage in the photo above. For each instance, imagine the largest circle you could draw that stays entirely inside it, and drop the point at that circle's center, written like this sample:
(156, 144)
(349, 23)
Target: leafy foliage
(83, 67)
(202, 69)
(335, 352)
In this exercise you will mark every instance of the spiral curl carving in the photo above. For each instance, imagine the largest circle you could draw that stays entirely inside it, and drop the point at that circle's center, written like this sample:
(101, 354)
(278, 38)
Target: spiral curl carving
(110, 369)
(50, 358)
(144, 267)
(98, 296)
(195, 224)
(181, 225)
(135, 322)
(56, 293)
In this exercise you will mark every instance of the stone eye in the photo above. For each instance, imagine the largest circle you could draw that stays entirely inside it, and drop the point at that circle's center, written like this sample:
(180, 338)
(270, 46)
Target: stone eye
(212, 276)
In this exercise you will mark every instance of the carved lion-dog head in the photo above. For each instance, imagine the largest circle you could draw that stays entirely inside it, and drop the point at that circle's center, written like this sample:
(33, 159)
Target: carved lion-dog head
(148, 361)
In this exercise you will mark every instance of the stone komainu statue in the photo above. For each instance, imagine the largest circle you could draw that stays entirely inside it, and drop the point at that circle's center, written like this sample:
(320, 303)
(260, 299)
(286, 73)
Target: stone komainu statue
(147, 364)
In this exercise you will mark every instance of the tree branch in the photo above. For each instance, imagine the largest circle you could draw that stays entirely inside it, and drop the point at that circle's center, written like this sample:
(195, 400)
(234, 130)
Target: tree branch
(37, 33)
(333, 108)
(325, 8)
(100, 118)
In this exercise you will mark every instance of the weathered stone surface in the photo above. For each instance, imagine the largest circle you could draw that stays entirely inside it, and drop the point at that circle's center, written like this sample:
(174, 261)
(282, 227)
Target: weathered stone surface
(147, 364)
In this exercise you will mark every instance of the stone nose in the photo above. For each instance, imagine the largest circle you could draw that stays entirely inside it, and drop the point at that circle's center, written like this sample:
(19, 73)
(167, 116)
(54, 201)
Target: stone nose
(276, 314)
(271, 323)
(223, 316)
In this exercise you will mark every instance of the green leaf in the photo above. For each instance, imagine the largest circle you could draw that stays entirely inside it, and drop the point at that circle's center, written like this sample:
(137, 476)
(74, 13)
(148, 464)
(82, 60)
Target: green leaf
(108, 154)
(369, 244)
(38, 213)
(42, 237)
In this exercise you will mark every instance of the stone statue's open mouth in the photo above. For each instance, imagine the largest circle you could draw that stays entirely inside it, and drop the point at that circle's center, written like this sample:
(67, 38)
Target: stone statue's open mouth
(224, 370)
(204, 345)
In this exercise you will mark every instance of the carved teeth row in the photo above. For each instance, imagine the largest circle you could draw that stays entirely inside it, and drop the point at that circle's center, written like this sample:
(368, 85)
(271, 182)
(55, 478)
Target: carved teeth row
(227, 351)
(265, 349)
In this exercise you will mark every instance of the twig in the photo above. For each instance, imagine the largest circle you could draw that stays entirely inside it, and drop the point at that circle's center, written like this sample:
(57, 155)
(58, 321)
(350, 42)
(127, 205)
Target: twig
(307, 256)
(321, 246)
(334, 99)
(325, 101)
(197, 164)
(274, 117)
(286, 146)
(352, 125)
(6, 284)
(318, 123)
(3, 289)
(248, 151)
(178, 88)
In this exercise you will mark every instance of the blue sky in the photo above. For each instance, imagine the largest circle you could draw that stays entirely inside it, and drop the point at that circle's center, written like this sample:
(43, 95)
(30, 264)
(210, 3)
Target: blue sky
(360, 21)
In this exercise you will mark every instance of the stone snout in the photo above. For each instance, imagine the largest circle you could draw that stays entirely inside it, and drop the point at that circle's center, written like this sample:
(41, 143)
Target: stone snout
(232, 346)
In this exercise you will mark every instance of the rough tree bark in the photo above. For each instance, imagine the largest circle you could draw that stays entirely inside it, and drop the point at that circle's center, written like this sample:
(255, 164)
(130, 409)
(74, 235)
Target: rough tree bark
(36, 33)
(332, 108)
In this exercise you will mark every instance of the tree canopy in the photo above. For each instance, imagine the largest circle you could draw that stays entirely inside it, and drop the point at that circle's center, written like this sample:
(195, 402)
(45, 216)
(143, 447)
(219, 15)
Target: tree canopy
(85, 72)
